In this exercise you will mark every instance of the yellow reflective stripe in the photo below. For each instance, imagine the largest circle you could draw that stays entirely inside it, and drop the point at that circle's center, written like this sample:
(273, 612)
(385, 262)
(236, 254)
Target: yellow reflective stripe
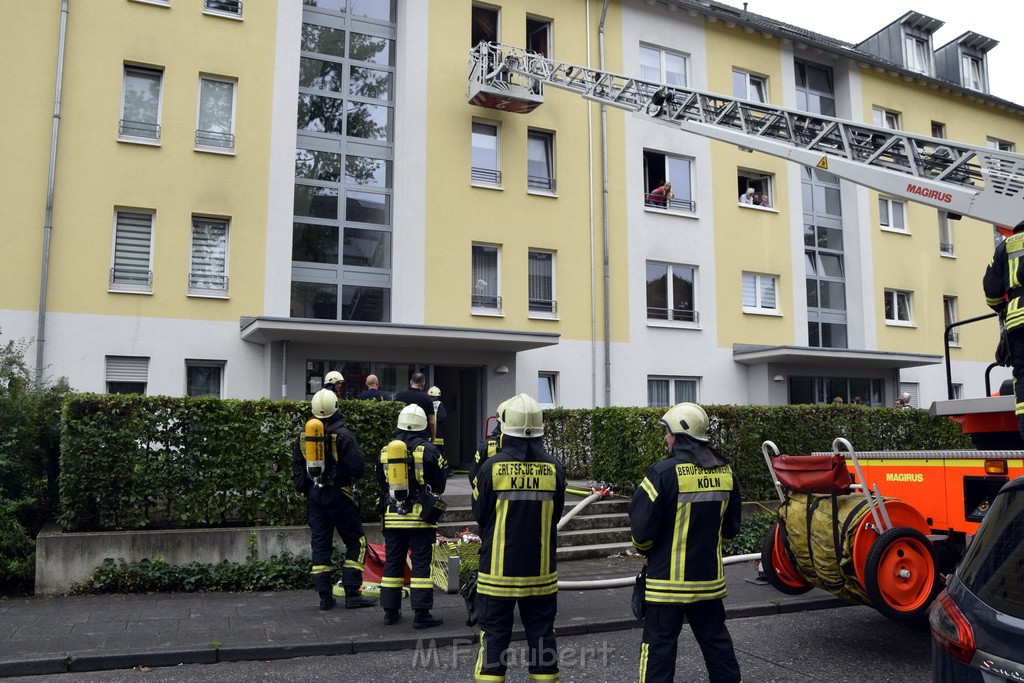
(642, 676)
(391, 581)
(498, 538)
(353, 564)
(648, 487)
(679, 533)
(669, 585)
(547, 509)
(641, 546)
(421, 582)
(1013, 264)
(479, 666)
(993, 301)
(361, 559)
(320, 568)
(527, 592)
(545, 677)
(551, 577)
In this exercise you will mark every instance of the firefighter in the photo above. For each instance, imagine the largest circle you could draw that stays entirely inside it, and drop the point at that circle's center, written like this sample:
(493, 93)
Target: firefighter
(518, 496)
(440, 415)
(684, 507)
(334, 381)
(327, 483)
(488, 447)
(411, 476)
(1004, 294)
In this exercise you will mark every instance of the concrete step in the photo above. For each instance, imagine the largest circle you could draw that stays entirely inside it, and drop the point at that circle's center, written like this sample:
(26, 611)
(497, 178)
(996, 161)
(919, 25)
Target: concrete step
(589, 551)
(611, 535)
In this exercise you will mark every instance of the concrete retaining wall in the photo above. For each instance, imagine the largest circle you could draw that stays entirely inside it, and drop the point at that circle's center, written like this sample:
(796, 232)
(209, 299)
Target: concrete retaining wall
(66, 558)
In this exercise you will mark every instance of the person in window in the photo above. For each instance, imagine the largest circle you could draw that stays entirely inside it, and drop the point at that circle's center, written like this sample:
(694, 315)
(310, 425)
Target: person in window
(748, 196)
(661, 195)
(761, 199)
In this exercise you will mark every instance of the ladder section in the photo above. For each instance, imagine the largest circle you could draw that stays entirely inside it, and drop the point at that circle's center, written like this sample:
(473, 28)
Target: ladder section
(959, 178)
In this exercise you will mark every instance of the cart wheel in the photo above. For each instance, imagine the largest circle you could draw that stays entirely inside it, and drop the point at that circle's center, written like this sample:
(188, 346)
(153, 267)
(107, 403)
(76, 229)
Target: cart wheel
(901, 578)
(778, 568)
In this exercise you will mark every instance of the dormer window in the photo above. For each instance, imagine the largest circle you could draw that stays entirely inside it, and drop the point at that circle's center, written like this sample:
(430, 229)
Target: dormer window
(917, 48)
(973, 72)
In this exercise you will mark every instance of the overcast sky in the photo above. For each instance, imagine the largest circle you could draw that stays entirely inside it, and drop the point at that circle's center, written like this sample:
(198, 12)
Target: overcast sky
(852, 22)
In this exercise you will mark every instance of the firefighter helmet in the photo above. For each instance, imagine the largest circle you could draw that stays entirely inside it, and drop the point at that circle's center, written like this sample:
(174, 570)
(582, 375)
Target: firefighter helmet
(333, 377)
(687, 418)
(521, 416)
(324, 403)
(412, 418)
(433, 391)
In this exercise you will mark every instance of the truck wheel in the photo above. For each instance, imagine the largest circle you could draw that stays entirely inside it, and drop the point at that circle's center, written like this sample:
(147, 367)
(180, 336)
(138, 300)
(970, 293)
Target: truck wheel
(777, 566)
(900, 574)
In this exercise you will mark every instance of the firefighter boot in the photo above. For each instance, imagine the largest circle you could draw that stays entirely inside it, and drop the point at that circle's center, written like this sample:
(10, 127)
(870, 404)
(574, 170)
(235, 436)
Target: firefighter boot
(353, 600)
(327, 600)
(391, 616)
(424, 619)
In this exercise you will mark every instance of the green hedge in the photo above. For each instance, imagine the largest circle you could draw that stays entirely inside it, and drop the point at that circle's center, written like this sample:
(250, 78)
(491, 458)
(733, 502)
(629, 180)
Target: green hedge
(135, 462)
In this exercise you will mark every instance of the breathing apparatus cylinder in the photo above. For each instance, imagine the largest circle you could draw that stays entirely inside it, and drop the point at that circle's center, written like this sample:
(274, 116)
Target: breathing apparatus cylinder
(315, 449)
(397, 473)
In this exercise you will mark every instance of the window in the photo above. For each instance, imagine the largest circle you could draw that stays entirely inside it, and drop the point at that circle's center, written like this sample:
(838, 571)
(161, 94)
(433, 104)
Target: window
(140, 104)
(662, 168)
(747, 86)
(668, 391)
(126, 374)
(883, 118)
(945, 234)
(671, 292)
(232, 7)
(208, 273)
(215, 123)
(949, 317)
(539, 167)
(1001, 145)
(485, 278)
(547, 388)
(662, 66)
(204, 378)
(892, 214)
(897, 308)
(938, 130)
(973, 72)
(542, 283)
(760, 183)
(538, 36)
(759, 293)
(958, 392)
(485, 153)
(815, 92)
(131, 269)
(918, 55)
(818, 390)
(484, 25)
(319, 300)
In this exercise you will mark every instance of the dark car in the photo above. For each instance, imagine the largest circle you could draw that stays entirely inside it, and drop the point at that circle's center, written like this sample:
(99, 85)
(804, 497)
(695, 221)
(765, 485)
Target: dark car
(978, 620)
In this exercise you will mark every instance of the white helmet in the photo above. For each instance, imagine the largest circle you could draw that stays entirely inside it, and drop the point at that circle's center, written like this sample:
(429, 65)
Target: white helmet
(333, 377)
(412, 418)
(324, 403)
(687, 418)
(433, 391)
(521, 416)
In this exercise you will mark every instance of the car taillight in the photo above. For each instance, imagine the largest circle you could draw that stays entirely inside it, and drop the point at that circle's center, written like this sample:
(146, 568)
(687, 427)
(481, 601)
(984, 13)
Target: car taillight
(950, 628)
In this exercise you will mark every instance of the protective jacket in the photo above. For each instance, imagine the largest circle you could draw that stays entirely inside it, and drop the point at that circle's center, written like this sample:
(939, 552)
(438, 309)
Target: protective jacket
(344, 465)
(426, 468)
(486, 449)
(678, 516)
(518, 495)
(1004, 291)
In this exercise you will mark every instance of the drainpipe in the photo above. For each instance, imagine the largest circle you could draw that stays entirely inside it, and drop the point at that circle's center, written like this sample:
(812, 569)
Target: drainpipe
(48, 220)
(284, 369)
(604, 223)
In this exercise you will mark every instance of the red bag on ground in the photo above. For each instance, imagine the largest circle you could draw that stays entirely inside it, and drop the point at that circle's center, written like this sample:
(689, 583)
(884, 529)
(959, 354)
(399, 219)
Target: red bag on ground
(812, 473)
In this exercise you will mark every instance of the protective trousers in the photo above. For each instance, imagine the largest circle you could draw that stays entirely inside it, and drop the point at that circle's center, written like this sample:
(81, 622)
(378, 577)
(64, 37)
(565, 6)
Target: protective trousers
(397, 542)
(496, 616)
(662, 624)
(1015, 340)
(330, 509)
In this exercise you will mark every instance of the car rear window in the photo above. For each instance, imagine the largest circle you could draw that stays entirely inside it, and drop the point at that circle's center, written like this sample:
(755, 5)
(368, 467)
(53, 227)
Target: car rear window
(993, 565)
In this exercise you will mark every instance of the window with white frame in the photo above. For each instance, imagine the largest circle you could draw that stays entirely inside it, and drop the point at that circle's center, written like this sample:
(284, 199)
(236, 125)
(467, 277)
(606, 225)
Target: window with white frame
(126, 374)
(204, 378)
(485, 153)
(540, 173)
(208, 272)
(541, 282)
(131, 268)
(747, 86)
(898, 308)
(538, 36)
(547, 388)
(485, 285)
(215, 121)
(668, 391)
(759, 293)
(662, 66)
(918, 54)
(760, 183)
(949, 316)
(1001, 145)
(483, 25)
(140, 103)
(973, 72)
(945, 234)
(883, 118)
(229, 7)
(892, 214)
(671, 292)
(661, 168)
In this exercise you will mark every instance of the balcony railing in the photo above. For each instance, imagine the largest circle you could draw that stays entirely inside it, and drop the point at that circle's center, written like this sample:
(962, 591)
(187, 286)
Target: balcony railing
(686, 315)
(129, 275)
(673, 204)
(488, 301)
(539, 182)
(139, 129)
(211, 138)
(228, 6)
(207, 281)
(543, 306)
(486, 175)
